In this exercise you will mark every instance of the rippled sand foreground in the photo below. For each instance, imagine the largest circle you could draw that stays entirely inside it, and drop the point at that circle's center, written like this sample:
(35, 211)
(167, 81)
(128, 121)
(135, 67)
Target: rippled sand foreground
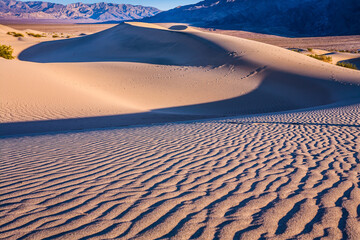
(277, 176)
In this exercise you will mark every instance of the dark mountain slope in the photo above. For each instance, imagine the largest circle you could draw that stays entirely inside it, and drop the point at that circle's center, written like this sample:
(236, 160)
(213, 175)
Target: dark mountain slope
(283, 17)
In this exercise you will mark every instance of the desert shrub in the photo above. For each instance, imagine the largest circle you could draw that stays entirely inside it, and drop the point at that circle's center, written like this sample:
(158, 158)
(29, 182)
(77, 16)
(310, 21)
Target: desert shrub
(347, 65)
(15, 34)
(67, 36)
(6, 52)
(310, 49)
(55, 36)
(346, 51)
(35, 35)
(295, 50)
(321, 57)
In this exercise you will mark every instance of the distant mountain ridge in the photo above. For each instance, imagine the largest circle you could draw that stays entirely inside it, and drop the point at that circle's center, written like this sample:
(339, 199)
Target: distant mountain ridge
(12, 9)
(283, 17)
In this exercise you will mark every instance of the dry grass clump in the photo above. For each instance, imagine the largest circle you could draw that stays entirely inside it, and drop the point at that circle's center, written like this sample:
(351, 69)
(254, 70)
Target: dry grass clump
(321, 57)
(295, 50)
(35, 35)
(15, 34)
(345, 51)
(347, 65)
(6, 52)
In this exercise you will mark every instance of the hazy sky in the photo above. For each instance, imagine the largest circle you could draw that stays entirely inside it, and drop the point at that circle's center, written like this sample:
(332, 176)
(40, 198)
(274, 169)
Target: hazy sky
(161, 4)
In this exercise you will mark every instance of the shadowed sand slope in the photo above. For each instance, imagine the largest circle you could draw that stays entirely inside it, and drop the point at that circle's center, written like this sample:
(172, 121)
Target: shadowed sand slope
(138, 67)
(276, 176)
(131, 43)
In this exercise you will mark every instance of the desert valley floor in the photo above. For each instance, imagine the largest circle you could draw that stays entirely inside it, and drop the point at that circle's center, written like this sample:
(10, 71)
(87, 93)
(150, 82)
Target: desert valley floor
(147, 131)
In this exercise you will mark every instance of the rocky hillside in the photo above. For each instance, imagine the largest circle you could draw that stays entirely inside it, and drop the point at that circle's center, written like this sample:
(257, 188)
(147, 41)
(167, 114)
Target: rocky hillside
(11, 9)
(284, 17)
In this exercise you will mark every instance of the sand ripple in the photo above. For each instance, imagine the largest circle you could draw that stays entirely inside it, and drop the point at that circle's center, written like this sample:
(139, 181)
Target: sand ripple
(277, 176)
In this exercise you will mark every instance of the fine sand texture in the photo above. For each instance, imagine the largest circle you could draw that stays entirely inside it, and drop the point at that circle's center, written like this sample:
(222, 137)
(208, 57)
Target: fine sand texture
(277, 157)
(275, 176)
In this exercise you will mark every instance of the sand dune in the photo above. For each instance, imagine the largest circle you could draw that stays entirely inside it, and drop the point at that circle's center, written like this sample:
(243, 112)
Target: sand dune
(19, 44)
(263, 175)
(131, 43)
(5, 29)
(329, 43)
(346, 57)
(69, 29)
(133, 68)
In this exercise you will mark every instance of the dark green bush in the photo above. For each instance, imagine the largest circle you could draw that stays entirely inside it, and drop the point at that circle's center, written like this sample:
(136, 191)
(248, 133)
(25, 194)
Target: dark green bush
(310, 49)
(6, 52)
(347, 65)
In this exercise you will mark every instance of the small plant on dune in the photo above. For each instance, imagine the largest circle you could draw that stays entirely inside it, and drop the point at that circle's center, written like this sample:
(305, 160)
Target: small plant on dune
(295, 50)
(67, 36)
(321, 57)
(6, 52)
(35, 35)
(310, 49)
(345, 51)
(348, 51)
(347, 65)
(15, 34)
(55, 36)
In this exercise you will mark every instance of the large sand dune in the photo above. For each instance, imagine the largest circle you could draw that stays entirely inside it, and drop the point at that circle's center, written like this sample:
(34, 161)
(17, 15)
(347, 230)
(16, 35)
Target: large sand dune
(142, 68)
(279, 175)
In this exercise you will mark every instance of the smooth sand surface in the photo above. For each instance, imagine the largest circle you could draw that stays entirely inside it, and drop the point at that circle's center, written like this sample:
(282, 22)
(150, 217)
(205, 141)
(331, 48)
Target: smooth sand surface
(47, 31)
(346, 57)
(138, 67)
(72, 29)
(253, 173)
(330, 43)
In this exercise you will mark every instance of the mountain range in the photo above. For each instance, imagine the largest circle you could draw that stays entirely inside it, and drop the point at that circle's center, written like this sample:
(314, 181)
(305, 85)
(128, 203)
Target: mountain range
(12, 9)
(283, 17)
